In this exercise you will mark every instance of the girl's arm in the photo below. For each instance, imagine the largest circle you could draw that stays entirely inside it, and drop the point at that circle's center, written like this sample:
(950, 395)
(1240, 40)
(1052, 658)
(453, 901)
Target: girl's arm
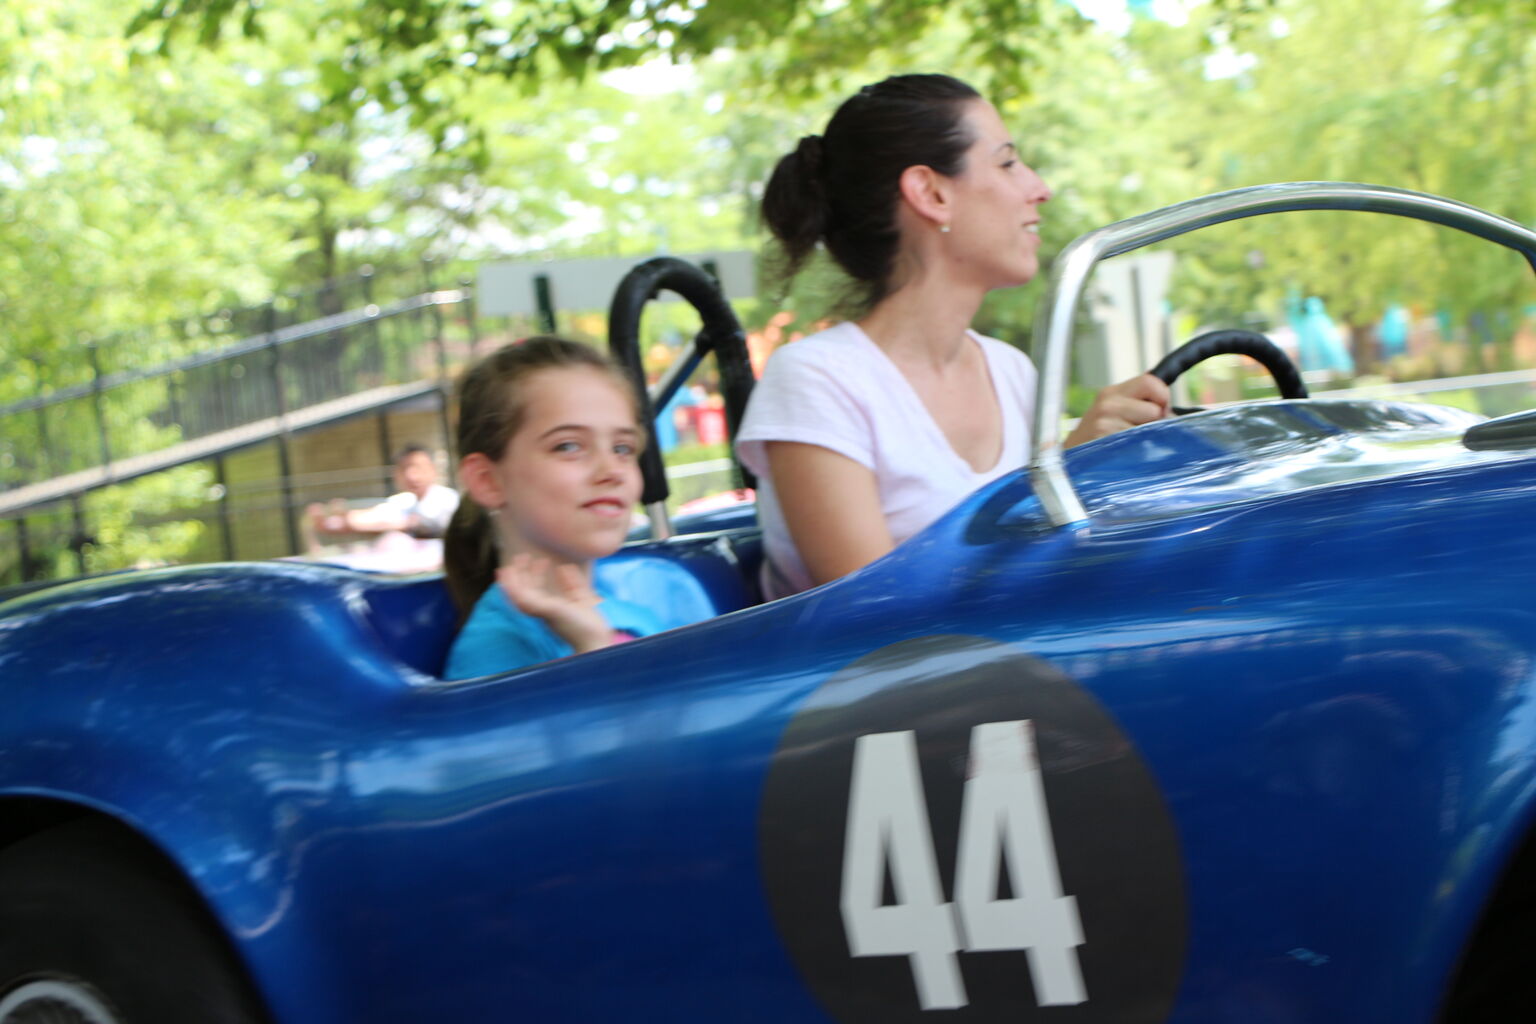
(831, 506)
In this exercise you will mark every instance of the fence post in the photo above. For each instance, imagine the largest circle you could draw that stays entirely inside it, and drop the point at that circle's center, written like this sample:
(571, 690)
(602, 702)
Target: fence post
(387, 456)
(444, 387)
(48, 466)
(80, 540)
(446, 426)
(226, 528)
(173, 394)
(470, 315)
(96, 400)
(290, 509)
(24, 543)
(275, 363)
(374, 336)
(439, 332)
(440, 344)
(543, 297)
(284, 460)
(445, 383)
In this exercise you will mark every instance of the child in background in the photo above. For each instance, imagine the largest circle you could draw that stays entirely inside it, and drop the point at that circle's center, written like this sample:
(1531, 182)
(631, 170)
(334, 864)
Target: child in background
(549, 441)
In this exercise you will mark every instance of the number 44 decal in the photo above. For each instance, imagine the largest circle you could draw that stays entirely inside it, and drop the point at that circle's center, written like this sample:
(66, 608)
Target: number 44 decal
(1003, 813)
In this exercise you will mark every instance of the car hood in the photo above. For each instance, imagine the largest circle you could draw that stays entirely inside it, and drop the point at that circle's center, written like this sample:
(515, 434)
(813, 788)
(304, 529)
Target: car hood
(1241, 453)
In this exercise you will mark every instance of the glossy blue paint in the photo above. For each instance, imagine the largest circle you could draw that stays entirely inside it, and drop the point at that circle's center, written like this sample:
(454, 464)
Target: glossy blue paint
(1310, 620)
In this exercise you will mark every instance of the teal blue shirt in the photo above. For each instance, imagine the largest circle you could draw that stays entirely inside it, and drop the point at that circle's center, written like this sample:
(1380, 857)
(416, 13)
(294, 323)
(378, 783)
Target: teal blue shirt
(499, 638)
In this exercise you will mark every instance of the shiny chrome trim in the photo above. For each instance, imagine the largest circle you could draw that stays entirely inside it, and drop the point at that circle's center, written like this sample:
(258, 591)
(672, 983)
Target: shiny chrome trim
(661, 522)
(1069, 274)
(65, 999)
(672, 378)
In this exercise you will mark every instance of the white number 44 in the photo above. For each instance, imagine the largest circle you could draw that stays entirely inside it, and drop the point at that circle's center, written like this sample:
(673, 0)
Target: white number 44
(1003, 814)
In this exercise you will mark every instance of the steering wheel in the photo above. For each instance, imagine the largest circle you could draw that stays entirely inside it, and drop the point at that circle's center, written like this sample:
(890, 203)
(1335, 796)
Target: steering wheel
(1248, 343)
(721, 334)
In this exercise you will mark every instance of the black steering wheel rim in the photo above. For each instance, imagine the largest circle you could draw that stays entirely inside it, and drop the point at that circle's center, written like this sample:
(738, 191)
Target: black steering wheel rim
(721, 334)
(1256, 346)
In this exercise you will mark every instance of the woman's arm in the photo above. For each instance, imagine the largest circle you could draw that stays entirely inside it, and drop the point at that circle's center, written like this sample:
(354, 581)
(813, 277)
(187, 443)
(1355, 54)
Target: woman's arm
(1127, 404)
(831, 506)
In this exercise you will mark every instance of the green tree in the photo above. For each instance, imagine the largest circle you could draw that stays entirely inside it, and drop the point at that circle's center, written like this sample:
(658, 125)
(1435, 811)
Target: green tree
(400, 51)
(1385, 91)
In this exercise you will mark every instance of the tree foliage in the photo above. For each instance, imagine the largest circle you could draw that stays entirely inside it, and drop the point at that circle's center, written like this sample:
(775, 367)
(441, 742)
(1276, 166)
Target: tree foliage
(400, 52)
(1398, 93)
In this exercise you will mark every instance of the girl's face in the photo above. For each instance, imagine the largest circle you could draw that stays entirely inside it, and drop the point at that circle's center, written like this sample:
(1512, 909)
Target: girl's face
(994, 233)
(570, 476)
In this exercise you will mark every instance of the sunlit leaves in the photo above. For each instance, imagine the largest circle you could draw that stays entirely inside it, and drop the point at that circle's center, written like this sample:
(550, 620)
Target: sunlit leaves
(396, 51)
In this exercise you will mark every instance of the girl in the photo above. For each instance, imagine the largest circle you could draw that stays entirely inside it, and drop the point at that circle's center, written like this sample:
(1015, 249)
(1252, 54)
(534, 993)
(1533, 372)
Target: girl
(865, 433)
(549, 439)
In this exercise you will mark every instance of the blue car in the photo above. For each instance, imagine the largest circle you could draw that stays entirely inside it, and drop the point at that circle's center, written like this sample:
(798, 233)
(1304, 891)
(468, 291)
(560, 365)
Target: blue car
(1226, 718)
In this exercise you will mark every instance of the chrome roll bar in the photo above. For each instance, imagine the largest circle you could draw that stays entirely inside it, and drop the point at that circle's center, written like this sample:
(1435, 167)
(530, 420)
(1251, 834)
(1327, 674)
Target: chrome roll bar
(1055, 315)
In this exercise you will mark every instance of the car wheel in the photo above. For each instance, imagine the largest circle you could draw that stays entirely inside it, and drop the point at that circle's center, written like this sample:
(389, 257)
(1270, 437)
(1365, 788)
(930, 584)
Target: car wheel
(1495, 982)
(94, 930)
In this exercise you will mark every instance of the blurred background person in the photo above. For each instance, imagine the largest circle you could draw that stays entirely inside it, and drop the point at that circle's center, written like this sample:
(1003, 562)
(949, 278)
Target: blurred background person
(403, 532)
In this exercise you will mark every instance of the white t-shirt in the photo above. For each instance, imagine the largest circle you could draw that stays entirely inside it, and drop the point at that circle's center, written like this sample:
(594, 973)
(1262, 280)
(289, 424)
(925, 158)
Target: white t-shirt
(837, 389)
(432, 510)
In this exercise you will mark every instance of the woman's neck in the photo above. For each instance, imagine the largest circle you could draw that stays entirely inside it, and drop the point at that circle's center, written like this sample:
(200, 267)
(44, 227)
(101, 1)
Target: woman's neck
(923, 322)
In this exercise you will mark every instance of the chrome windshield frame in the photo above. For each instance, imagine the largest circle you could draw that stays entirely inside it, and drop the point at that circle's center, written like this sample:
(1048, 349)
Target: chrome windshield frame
(1055, 315)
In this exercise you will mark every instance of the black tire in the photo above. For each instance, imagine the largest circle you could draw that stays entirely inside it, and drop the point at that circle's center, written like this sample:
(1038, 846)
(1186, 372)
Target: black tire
(93, 929)
(1495, 983)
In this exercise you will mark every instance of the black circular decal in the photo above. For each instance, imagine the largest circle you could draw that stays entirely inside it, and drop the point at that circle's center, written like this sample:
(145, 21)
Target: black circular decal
(952, 830)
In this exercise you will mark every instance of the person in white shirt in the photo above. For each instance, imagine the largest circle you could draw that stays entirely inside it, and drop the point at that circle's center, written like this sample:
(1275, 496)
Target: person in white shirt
(421, 509)
(864, 434)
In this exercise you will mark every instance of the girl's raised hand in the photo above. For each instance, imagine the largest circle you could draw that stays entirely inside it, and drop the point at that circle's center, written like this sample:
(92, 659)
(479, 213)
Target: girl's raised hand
(561, 596)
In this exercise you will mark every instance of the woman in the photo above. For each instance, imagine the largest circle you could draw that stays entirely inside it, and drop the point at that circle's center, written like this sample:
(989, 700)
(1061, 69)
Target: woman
(865, 433)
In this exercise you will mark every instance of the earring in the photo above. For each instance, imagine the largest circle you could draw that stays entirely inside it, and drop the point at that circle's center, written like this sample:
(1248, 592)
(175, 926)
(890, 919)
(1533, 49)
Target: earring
(944, 229)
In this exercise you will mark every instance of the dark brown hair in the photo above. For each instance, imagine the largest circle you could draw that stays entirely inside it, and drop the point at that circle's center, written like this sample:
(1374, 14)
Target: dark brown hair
(492, 403)
(841, 187)
(408, 451)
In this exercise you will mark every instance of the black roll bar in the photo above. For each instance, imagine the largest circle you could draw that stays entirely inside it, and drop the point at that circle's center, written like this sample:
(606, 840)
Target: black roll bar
(721, 334)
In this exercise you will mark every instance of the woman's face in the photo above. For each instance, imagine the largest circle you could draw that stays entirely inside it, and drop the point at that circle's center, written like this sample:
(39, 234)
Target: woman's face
(994, 228)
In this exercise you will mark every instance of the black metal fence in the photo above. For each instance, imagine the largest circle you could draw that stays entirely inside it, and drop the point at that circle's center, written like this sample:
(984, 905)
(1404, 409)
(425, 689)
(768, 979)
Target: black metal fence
(64, 448)
(116, 415)
(122, 350)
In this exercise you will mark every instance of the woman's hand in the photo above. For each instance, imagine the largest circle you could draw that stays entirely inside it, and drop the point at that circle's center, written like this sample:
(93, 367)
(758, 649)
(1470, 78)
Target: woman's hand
(561, 596)
(1127, 404)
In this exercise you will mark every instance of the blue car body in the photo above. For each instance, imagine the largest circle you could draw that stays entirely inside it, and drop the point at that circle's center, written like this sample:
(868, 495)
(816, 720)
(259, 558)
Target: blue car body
(1268, 722)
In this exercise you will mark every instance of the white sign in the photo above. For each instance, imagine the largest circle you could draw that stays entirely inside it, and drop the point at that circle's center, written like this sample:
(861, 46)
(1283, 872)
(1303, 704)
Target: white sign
(1126, 298)
(506, 288)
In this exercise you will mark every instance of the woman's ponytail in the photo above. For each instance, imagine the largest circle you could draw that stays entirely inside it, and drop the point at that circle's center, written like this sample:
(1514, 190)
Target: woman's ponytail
(795, 202)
